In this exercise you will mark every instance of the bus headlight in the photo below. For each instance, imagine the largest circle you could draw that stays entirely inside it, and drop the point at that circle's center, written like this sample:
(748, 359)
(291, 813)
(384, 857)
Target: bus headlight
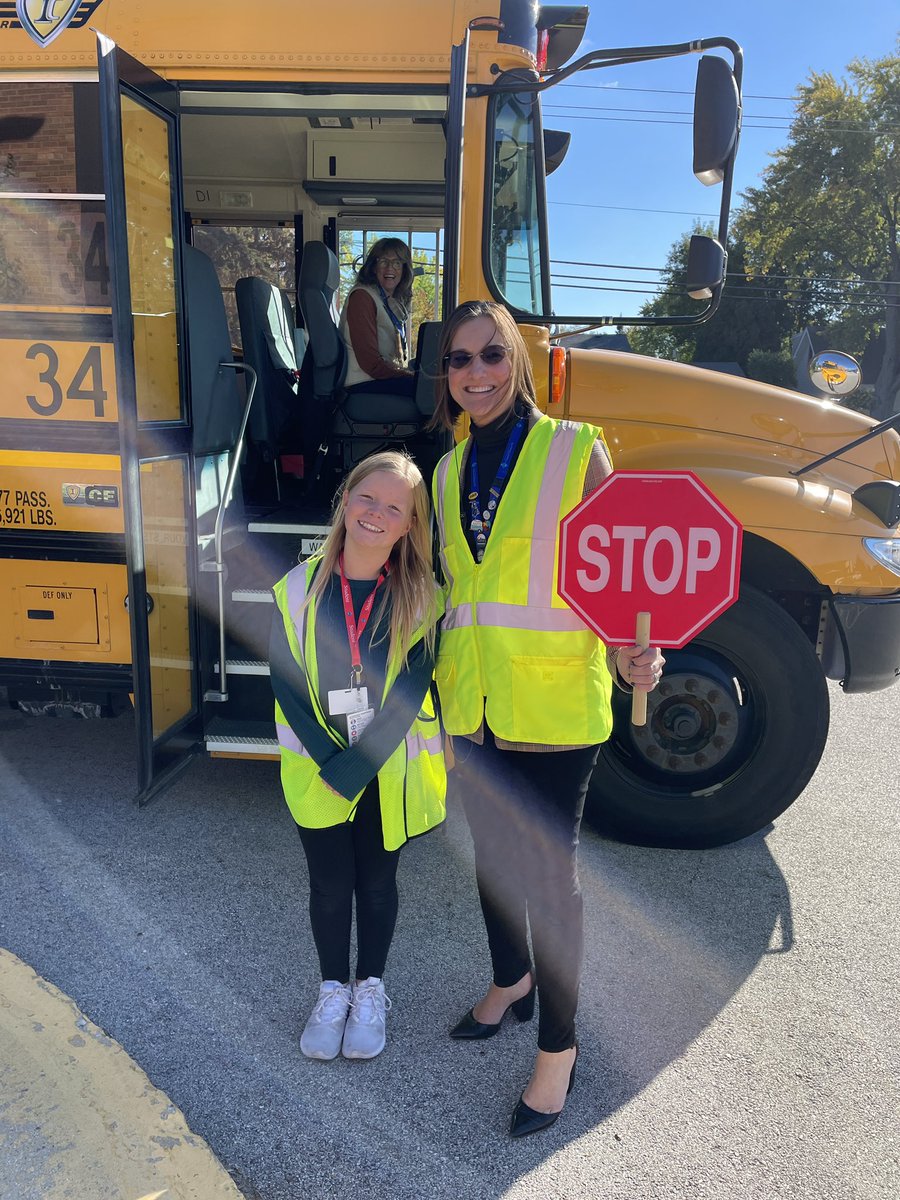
(885, 551)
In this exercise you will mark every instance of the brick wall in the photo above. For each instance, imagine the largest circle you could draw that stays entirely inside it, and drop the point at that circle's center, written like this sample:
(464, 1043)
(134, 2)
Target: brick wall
(45, 162)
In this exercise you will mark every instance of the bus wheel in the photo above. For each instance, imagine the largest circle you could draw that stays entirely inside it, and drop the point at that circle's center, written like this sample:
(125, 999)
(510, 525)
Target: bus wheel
(734, 732)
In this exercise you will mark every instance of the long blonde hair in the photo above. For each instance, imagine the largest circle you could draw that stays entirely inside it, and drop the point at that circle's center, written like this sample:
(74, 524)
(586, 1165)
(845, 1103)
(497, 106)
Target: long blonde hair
(410, 590)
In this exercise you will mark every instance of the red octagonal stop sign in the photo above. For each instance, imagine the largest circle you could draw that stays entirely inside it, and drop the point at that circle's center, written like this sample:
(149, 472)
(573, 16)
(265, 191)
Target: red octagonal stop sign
(655, 542)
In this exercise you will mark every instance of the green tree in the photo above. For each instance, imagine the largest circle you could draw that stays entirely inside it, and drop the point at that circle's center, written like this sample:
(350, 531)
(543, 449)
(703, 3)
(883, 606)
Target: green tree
(829, 205)
(771, 366)
(752, 315)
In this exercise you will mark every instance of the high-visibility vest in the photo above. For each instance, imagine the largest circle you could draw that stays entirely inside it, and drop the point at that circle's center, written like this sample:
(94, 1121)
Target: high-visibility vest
(512, 652)
(412, 783)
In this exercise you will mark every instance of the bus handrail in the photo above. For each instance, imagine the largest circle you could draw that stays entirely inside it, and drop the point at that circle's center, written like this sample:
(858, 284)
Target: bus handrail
(220, 696)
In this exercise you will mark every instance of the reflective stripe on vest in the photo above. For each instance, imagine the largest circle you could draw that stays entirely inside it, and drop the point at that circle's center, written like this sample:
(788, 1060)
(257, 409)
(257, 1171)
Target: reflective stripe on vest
(289, 740)
(452, 459)
(417, 743)
(514, 616)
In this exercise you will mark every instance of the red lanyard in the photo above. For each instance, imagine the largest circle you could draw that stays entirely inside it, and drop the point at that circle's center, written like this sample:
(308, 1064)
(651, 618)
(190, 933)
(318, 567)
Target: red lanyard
(354, 630)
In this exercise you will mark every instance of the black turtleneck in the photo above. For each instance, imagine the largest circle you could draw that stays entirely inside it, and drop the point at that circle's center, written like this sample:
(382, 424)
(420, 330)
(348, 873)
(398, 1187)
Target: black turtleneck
(491, 441)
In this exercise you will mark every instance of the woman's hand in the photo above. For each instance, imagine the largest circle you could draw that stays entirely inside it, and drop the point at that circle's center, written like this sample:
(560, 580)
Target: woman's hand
(640, 668)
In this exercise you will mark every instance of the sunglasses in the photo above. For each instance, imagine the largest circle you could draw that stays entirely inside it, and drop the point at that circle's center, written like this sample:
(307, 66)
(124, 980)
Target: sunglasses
(491, 356)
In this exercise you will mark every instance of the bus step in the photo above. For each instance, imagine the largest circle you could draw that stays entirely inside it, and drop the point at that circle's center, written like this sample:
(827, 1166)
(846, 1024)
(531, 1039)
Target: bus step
(241, 746)
(243, 666)
(253, 595)
(285, 524)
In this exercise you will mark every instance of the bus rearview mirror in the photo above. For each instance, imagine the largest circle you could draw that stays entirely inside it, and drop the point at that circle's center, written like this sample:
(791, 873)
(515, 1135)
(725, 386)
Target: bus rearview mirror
(716, 118)
(705, 266)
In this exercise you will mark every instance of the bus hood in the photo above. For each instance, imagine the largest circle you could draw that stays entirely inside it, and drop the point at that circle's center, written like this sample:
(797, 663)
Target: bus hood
(621, 391)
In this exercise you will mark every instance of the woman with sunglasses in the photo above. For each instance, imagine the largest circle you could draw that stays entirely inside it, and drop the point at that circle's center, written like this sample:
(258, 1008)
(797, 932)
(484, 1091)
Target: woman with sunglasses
(524, 686)
(374, 323)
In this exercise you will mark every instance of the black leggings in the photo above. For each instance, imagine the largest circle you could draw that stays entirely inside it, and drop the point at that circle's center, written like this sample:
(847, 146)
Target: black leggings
(524, 810)
(343, 860)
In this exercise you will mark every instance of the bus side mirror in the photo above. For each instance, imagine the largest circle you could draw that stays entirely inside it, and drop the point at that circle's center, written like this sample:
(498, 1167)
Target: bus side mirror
(834, 373)
(556, 147)
(560, 31)
(717, 111)
(705, 266)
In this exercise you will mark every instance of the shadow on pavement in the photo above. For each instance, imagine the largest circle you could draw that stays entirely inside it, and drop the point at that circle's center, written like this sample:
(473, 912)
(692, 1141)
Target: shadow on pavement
(181, 930)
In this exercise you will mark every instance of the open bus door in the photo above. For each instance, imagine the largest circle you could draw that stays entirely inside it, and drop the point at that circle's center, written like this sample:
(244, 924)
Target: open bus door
(139, 124)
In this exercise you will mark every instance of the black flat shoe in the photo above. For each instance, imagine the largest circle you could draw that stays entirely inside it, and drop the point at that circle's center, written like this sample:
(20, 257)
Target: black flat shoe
(471, 1029)
(527, 1120)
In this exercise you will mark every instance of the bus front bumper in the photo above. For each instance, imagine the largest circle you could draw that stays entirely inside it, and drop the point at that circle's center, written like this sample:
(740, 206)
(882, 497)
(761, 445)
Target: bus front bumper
(862, 642)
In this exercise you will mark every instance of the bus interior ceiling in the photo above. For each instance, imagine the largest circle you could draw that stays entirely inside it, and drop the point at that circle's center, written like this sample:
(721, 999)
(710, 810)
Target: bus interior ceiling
(360, 162)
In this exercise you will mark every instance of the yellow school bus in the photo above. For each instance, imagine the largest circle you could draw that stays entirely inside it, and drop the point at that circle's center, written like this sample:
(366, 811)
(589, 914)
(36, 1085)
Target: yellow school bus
(183, 186)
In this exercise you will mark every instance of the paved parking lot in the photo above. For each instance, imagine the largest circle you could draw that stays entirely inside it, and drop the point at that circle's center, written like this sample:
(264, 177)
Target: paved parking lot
(739, 1010)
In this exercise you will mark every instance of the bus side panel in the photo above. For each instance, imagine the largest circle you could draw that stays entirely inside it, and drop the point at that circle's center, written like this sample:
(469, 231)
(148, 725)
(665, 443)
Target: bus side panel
(64, 611)
(74, 493)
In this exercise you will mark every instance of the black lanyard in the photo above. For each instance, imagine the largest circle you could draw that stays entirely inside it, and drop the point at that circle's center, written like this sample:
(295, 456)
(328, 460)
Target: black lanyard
(481, 521)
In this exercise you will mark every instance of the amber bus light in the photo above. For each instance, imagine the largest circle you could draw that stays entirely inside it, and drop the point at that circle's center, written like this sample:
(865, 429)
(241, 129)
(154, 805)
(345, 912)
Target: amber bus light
(886, 551)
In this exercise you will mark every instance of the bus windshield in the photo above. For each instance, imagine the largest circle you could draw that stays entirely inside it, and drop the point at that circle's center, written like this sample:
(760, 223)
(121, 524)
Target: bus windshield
(516, 244)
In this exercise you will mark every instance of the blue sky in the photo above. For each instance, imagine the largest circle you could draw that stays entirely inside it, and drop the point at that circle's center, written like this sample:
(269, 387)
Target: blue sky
(622, 160)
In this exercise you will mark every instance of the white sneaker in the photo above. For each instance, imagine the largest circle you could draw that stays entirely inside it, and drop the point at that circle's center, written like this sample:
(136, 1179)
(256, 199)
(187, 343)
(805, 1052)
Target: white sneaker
(325, 1028)
(364, 1033)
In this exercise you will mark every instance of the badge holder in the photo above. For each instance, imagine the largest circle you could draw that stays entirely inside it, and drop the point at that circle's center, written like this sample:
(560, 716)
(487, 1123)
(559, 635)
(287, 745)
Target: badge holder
(352, 703)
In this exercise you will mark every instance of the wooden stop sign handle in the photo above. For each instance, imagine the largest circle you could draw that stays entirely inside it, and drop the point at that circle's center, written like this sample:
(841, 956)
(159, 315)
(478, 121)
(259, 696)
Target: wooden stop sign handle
(639, 699)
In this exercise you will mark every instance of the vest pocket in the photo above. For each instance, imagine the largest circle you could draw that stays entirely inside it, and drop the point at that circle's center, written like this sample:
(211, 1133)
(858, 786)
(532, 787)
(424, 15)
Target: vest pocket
(550, 699)
(512, 577)
(445, 677)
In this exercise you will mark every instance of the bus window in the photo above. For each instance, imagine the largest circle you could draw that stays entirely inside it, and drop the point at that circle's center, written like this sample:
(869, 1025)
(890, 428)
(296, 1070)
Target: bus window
(425, 248)
(515, 245)
(151, 256)
(53, 239)
(266, 250)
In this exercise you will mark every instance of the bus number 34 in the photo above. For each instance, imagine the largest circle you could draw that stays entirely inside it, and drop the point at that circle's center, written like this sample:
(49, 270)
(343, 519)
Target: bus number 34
(86, 383)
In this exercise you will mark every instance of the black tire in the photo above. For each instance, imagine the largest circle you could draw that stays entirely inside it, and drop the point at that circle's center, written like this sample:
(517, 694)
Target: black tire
(734, 733)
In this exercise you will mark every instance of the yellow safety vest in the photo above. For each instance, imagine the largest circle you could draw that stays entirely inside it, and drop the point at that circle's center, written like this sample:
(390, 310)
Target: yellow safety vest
(512, 652)
(412, 783)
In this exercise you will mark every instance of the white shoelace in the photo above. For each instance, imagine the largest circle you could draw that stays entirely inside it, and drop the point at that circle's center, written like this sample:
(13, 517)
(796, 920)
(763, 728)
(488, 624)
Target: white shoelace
(332, 1005)
(370, 1003)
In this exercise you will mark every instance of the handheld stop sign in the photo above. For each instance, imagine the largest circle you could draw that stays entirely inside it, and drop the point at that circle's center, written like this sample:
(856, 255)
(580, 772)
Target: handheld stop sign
(649, 556)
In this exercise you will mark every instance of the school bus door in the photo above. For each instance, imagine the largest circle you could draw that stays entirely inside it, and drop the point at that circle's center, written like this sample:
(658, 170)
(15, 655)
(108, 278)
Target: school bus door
(139, 126)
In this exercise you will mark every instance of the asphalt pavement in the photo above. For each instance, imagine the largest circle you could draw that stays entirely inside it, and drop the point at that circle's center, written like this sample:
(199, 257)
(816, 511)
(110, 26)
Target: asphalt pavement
(738, 1022)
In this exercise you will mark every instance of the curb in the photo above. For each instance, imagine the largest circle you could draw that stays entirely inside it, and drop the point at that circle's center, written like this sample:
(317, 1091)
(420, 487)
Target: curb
(79, 1117)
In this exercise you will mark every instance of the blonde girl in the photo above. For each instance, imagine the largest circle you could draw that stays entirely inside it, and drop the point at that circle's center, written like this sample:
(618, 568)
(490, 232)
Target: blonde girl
(352, 655)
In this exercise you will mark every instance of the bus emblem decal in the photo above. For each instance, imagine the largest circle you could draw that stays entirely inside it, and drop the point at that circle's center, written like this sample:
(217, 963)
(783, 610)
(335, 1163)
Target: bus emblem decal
(45, 20)
(94, 495)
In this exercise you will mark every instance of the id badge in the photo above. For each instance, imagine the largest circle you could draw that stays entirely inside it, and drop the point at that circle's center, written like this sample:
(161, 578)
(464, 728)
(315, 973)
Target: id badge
(357, 722)
(344, 701)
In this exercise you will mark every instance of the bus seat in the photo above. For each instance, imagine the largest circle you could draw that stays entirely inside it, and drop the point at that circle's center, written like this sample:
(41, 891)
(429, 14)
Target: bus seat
(368, 421)
(326, 353)
(427, 366)
(300, 343)
(267, 336)
(216, 403)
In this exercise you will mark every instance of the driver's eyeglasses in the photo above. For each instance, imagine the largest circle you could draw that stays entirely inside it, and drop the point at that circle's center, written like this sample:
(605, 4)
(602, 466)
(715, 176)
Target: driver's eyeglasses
(390, 262)
(491, 356)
